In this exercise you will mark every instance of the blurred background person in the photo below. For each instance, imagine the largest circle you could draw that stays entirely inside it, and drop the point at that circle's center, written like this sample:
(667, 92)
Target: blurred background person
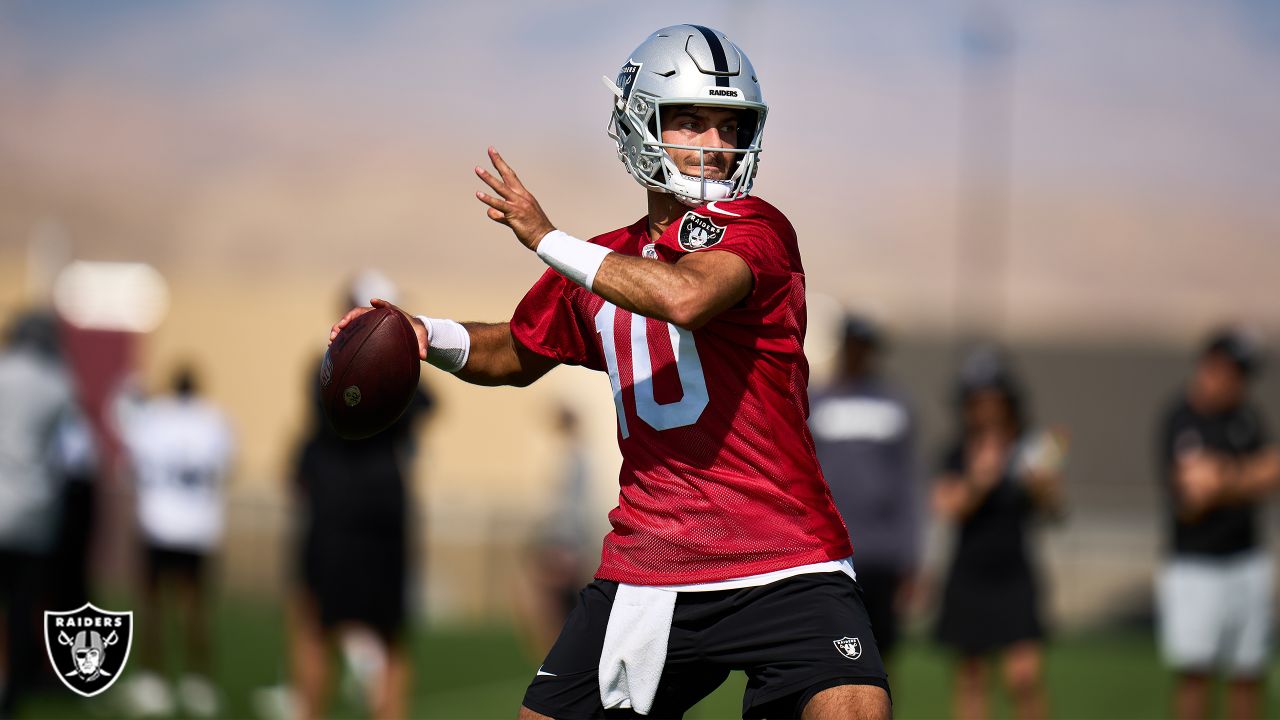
(77, 460)
(996, 477)
(560, 556)
(180, 448)
(1064, 176)
(354, 550)
(865, 436)
(37, 398)
(1214, 593)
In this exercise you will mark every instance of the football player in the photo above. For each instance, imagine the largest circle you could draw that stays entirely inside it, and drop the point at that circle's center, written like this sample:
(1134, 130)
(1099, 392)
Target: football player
(726, 552)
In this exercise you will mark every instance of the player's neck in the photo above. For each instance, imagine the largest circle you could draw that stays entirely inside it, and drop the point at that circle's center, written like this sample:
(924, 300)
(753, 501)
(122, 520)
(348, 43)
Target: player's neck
(664, 209)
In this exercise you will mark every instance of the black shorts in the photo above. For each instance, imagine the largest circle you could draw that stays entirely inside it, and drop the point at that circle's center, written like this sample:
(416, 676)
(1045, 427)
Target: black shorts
(793, 638)
(164, 562)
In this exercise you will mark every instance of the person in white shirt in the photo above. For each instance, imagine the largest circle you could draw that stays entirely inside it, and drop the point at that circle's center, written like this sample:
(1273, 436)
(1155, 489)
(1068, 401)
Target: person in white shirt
(180, 447)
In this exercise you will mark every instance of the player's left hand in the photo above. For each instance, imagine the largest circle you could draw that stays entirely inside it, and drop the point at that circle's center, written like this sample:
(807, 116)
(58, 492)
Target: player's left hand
(514, 206)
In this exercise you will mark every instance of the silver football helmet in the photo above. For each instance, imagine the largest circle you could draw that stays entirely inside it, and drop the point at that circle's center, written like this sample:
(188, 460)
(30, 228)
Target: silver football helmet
(685, 65)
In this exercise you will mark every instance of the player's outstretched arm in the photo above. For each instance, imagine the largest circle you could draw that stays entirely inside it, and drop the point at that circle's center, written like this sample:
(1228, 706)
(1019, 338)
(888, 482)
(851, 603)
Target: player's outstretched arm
(687, 293)
(497, 359)
(493, 358)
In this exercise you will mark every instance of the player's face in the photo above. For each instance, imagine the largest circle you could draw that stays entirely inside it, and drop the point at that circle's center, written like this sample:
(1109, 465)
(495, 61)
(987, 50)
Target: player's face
(701, 126)
(987, 412)
(1219, 382)
(87, 661)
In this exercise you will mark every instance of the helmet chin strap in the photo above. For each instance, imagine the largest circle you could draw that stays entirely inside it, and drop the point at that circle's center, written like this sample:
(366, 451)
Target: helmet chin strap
(694, 191)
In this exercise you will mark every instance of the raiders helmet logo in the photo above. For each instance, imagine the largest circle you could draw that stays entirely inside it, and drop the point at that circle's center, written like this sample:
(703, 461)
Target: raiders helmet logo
(627, 79)
(698, 232)
(849, 647)
(88, 647)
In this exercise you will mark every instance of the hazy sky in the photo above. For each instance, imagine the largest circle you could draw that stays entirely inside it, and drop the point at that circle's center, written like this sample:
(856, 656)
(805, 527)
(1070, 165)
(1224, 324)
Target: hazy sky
(242, 136)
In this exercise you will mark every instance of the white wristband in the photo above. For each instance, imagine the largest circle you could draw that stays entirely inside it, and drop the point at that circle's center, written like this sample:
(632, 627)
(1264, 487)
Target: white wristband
(448, 343)
(575, 259)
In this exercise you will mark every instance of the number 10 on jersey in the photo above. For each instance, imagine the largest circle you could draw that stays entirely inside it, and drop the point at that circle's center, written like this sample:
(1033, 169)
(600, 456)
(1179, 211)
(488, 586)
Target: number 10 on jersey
(680, 413)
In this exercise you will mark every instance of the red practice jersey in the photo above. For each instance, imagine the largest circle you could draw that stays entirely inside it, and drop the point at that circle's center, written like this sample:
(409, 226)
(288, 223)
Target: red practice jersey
(719, 477)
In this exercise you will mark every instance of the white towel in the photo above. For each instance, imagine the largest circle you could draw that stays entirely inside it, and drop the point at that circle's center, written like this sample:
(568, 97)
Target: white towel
(635, 647)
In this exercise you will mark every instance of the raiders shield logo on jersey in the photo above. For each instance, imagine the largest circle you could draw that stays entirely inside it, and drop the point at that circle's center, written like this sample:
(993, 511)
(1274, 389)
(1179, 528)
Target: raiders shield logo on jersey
(88, 647)
(698, 232)
(849, 647)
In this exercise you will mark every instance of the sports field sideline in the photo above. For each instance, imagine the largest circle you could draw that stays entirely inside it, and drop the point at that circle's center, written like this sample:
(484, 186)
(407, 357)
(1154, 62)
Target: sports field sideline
(482, 673)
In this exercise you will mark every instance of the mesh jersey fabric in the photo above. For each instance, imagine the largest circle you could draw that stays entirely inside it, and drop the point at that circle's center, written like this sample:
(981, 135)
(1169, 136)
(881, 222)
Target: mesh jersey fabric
(719, 477)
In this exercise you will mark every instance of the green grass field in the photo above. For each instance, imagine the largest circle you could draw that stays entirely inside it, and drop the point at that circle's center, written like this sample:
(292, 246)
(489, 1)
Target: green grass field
(482, 673)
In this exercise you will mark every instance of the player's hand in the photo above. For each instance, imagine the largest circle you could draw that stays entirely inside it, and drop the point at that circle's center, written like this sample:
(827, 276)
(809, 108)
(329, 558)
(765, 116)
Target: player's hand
(988, 457)
(419, 328)
(1200, 478)
(514, 205)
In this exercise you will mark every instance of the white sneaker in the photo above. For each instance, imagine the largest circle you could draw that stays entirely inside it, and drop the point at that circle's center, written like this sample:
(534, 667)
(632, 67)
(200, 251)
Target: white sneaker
(365, 655)
(147, 695)
(275, 702)
(199, 696)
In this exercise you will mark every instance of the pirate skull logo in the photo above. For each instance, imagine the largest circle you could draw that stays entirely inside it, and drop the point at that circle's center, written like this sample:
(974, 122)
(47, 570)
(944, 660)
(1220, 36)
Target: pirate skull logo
(698, 232)
(850, 647)
(88, 651)
(88, 647)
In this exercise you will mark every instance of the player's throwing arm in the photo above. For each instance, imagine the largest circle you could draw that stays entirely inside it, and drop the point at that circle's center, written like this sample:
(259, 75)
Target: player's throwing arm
(687, 293)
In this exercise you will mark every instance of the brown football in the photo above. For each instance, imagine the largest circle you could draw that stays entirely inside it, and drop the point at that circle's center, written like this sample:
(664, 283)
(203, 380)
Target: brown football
(369, 373)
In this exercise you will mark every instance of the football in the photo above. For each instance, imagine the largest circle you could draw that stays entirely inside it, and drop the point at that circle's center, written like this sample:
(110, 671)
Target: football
(369, 374)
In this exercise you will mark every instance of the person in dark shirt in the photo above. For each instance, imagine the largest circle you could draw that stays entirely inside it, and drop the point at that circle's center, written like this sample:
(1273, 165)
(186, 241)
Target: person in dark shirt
(995, 479)
(865, 438)
(354, 550)
(1217, 462)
